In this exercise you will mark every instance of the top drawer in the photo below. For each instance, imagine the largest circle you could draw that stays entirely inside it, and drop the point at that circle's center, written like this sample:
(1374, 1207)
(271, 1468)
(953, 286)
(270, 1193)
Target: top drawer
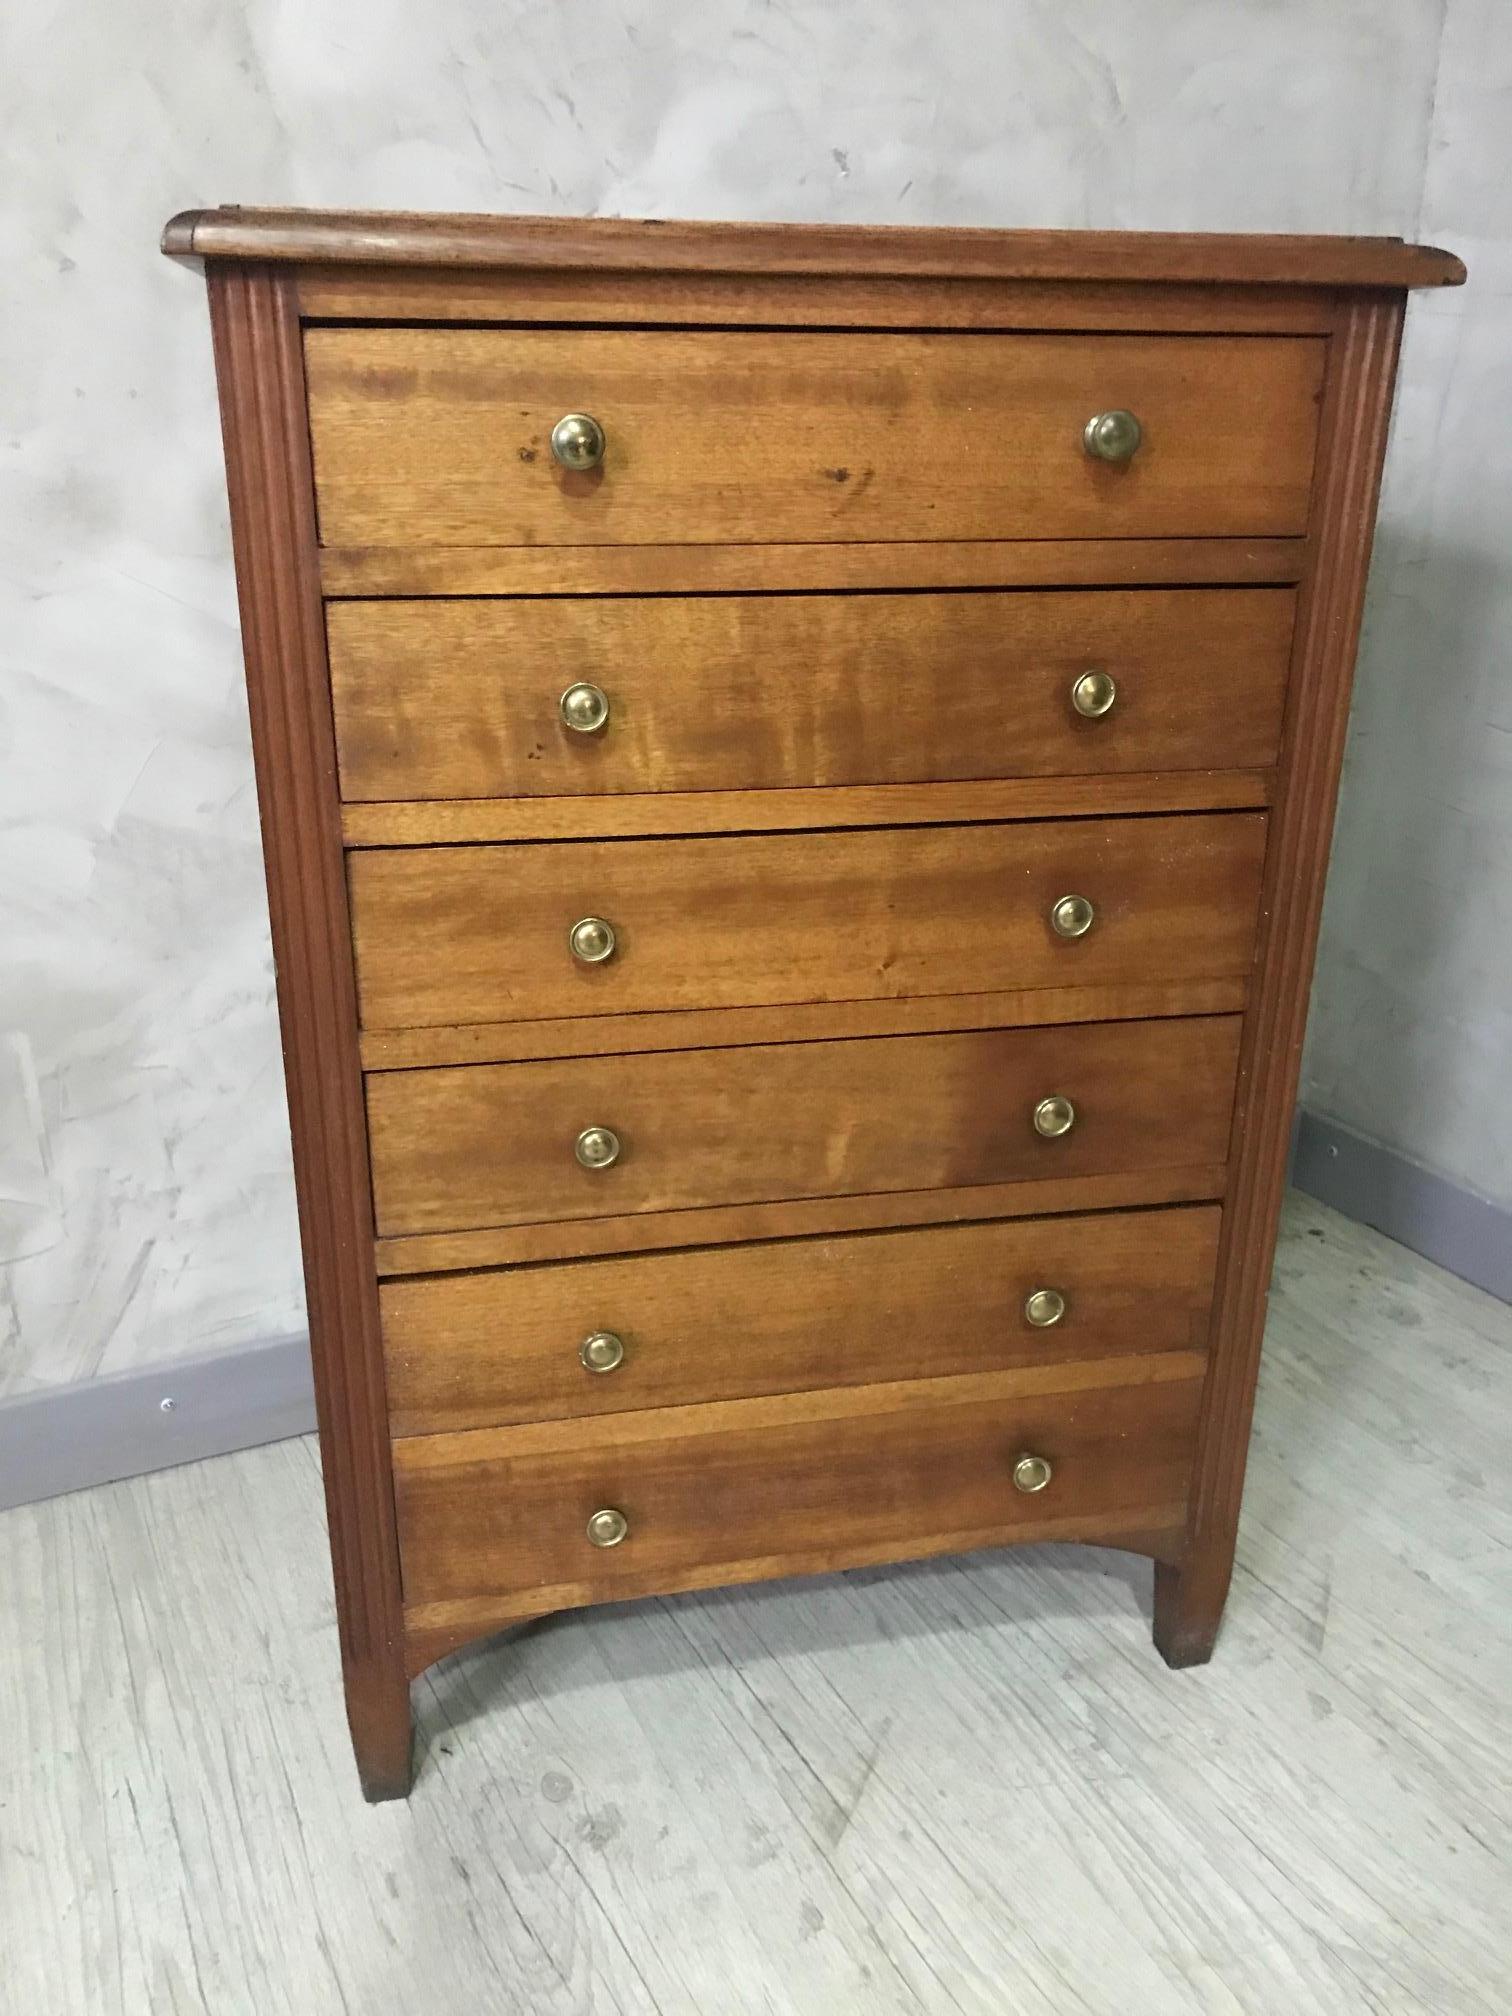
(442, 437)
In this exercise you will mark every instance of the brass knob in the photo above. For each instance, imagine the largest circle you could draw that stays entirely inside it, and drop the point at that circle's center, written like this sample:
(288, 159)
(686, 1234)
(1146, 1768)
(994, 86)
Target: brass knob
(584, 707)
(1071, 917)
(577, 441)
(1030, 1473)
(1054, 1116)
(1112, 437)
(1092, 695)
(1044, 1308)
(608, 1528)
(592, 940)
(597, 1147)
(602, 1352)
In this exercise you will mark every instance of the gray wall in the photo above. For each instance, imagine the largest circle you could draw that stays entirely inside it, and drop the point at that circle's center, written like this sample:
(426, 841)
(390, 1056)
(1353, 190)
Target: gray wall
(1411, 1033)
(146, 1211)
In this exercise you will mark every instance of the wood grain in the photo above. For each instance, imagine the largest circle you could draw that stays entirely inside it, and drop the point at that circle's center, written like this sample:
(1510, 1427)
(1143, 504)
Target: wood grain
(436, 1629)
(752, 921)
(924, 1466)
(722, 1224)
(708, 570)
(493, 1144)
(793, 1022)
(441, 437)
(257, 354)
(482, 1350)
(459, 699)
(1189, 1600)
(605, 245)
(803, 300)
(459, 821)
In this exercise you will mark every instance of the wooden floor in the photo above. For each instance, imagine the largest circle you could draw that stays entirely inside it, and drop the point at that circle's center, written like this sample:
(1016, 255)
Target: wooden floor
(959, 1786)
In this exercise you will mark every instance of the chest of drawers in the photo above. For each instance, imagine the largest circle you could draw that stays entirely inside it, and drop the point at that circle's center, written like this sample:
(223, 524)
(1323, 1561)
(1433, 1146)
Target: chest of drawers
(796, 769)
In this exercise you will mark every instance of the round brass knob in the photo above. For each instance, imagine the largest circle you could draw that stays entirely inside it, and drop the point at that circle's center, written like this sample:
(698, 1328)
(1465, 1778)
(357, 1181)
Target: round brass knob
(584, 707)
(1093, 694)
(1044, 1308)
(577, 441)
(1054, 1116)
(1071, 917)
(1112, 437)
(608, 1528)
(602, 1352)
(597, 1147)
(1030, 1473)
(592, 940)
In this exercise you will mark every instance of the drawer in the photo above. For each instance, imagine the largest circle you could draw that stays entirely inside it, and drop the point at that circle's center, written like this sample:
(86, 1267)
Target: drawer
(462, 699)
(442, 437)
(671, 1329)
(478, 1145)
(808, 1481)
(447, 935)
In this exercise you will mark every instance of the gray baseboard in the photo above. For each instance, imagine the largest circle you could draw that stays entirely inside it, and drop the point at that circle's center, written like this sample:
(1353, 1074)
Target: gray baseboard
(103, 1429)
(1376, 1186)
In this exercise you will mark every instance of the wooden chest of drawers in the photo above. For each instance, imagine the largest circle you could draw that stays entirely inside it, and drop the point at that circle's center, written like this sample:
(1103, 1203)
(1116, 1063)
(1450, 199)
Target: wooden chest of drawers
(796, 769)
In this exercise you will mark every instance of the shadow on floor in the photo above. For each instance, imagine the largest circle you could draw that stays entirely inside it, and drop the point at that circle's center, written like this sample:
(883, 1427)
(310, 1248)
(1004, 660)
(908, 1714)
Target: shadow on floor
(557, 1656)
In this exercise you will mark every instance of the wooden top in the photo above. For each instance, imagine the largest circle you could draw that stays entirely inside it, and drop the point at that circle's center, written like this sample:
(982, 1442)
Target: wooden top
(394, 238)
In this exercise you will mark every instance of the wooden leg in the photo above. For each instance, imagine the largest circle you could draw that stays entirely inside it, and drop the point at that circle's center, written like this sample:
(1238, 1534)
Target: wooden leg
(383, 1733)
(1188, 1611)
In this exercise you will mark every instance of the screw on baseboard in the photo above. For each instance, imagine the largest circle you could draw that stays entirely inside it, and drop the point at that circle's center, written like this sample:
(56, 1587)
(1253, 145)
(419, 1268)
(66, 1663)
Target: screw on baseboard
(167, 1404)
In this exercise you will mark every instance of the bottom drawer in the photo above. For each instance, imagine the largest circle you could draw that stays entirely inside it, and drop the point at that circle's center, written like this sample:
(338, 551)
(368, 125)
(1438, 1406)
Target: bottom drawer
(807, 1482)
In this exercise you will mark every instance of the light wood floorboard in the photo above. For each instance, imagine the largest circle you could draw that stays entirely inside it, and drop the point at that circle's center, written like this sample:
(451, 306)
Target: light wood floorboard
(962, 1786)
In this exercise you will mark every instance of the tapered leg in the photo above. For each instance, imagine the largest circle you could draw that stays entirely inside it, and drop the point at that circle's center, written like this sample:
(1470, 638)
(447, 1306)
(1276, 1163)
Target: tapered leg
(1188, 1611)
(383, 1733)
(1360, 372)
(259, 350)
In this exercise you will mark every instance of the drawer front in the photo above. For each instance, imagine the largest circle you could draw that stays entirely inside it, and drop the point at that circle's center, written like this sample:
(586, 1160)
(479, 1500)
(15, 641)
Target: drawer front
(811, 1481)
(672, 1329)
(442, 437)
(448, 935)
(482, 1145)
(462, 699)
